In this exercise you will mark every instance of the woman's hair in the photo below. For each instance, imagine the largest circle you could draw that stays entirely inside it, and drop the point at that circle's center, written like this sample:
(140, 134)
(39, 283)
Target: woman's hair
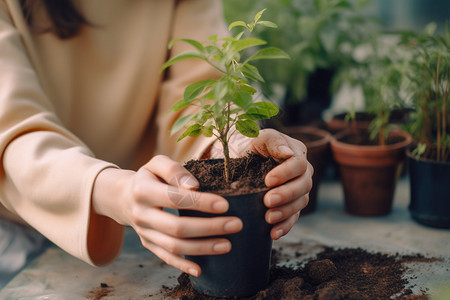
(66, 20)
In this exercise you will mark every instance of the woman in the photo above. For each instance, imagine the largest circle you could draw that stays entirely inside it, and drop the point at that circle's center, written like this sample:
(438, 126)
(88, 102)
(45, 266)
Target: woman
(84, 134)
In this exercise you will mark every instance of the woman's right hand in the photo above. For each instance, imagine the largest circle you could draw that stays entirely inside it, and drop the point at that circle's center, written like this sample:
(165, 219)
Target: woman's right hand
(137, 199)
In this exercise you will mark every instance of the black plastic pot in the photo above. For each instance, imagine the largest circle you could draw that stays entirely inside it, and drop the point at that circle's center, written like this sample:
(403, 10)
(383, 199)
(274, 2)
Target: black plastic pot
(430, 192)
(245, 269)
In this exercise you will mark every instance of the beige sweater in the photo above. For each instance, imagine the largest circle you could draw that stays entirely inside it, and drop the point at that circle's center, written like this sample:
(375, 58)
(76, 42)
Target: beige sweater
(70, 108)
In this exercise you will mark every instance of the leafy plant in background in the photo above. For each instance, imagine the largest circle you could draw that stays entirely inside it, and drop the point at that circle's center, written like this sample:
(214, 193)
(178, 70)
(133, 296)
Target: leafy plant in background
(226, 104)
(380, 75)
(429, 76)
(317, 34)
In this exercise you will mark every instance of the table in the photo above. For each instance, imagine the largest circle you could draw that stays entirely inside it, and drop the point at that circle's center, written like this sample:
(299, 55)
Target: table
(138, 274)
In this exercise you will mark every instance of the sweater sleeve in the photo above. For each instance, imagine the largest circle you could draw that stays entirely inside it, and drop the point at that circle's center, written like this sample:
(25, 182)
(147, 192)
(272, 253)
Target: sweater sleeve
(47, 173)
(194, 19)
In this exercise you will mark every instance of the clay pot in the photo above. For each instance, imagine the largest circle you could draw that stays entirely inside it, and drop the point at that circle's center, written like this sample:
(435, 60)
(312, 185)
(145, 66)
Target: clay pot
(369, 172)
(430, 192)
(363, 119)
(317, 142)
(245, 269)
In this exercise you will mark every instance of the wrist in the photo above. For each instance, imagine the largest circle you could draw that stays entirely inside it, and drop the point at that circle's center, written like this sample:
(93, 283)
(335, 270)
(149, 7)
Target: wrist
(108, 193)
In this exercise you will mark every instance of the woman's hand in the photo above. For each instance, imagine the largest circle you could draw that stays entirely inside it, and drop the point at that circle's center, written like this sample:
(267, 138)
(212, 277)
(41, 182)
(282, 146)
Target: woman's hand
(291, 181)
(137, 199)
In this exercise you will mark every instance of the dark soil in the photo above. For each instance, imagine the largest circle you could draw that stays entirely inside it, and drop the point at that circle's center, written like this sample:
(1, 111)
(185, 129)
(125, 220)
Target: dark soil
(363, 138)
(350, 273)
(247, 174)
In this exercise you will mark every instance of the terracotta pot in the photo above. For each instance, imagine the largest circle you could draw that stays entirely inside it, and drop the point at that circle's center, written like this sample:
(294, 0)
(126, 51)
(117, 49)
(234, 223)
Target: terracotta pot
(245, 269)
(363, 119)
(317, 142)
(430, 192)
(369, 172)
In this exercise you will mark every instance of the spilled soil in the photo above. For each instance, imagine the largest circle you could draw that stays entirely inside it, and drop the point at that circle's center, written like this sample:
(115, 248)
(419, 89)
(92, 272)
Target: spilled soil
(349, 273)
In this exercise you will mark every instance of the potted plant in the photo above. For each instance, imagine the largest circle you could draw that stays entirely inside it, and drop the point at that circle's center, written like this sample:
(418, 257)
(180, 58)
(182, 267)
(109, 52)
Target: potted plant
(429, 159)
(369, 158)
(225, 107)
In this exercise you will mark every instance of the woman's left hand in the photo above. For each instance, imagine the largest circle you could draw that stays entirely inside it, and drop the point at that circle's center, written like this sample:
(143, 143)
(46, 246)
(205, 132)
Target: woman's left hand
(290, 182)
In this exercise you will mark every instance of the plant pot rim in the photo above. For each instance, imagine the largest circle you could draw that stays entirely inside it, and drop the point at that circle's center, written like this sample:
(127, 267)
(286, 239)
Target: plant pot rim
(370, 155)
(324, 135)
(427, 160)
(337, 143)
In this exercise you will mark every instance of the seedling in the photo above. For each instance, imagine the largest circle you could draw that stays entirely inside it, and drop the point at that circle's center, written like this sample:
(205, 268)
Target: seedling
(226, 105)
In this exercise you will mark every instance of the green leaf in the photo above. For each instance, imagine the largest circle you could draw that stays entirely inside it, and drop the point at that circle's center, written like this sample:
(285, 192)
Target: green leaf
(258, 15)
(252, 73)
(195, 89)
(260, 111)
(246, 43)
(208, 130)
(243, 99)
(180, 123)
(182, 56)
(268, 24)
(270, 108)
(194, 43)
(269, 53)
(182, 104)
(237, 23)
(248, 89)
(193, 131)
(248, 128)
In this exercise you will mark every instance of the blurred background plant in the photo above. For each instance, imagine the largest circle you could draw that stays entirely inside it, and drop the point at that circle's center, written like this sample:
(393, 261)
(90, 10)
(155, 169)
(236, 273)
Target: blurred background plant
(324, 38)
(321, 36)
(429, 88)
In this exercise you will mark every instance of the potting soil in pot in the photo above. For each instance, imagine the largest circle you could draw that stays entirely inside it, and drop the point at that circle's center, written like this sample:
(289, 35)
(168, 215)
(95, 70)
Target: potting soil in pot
(348, 273)
(247, 174)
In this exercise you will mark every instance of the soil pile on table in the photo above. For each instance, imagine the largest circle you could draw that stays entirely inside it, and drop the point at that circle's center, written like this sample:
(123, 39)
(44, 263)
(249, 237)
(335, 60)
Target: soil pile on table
(350, 273)
(246, 174)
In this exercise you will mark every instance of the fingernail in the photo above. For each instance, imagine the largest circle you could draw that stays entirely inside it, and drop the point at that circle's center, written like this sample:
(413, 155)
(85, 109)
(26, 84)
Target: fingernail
(271, 181)
(188, 182)
(233, 226)
(285, 150)
(193, 272)
(279, 233)
(220, 206)
(222, 247)
(274, 200)
(275, 216)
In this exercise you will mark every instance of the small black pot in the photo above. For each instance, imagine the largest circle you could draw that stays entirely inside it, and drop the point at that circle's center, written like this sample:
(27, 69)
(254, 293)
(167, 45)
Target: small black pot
(245, 269)
(430, 192)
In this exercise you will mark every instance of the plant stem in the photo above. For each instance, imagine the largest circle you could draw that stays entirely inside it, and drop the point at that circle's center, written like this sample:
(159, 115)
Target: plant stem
(438, 115)
(226, 148)
(226, 160)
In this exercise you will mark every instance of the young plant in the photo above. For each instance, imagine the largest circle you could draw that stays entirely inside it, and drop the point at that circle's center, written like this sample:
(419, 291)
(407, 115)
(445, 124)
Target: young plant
(380, 77)
(225, 105)
(430, 90)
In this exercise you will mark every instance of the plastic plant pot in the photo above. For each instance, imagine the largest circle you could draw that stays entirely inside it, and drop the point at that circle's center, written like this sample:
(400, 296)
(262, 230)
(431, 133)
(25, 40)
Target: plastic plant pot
(245, 269)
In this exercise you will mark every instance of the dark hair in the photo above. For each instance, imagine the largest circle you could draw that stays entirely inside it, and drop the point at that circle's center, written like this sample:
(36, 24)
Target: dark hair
(66, 20)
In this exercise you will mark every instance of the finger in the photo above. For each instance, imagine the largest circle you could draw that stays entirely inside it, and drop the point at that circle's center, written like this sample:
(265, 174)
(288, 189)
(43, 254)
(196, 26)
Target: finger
(281, 213)
(187, 227)
(284, 227)
(293, 167)
(272, 143)
(176, 246)
(174, 260)
(171, 172)
(288, 192)
(151, 192)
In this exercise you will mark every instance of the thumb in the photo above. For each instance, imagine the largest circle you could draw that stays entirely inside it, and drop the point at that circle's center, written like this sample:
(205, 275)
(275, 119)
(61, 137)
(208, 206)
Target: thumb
(272, 143)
